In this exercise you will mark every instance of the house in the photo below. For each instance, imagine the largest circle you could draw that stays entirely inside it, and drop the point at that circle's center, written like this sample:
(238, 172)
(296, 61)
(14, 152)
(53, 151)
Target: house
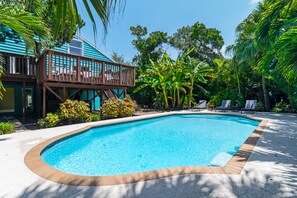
(77, 70)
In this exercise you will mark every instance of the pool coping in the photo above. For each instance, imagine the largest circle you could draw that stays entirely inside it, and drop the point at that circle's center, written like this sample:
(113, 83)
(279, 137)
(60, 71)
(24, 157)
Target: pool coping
(234, 166)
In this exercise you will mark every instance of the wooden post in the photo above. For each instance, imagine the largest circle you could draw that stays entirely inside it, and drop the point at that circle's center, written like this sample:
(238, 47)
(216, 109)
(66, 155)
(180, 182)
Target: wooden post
(38, 100)
(24, 100)
(44, 67)
(78, 70)
(64, 93)
(103, 71)
(44, 102)
(50, 65)
(121, 74)
(101, 98)
(125, 91)
(134, 74)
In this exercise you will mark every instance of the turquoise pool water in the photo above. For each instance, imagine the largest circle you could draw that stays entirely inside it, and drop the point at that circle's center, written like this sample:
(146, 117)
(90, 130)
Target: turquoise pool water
(170, 141)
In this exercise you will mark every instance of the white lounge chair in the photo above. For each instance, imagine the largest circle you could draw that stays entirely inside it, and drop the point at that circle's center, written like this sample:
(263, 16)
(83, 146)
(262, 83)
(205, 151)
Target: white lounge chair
(200, 105)
(250, 105)
(226, 105)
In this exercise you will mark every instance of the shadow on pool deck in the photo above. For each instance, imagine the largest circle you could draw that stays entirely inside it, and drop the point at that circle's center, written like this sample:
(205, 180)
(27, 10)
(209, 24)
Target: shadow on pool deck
(271, 172)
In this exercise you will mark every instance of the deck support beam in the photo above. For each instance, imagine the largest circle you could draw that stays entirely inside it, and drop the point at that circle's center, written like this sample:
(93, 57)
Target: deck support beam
(64, 94)
(114, 93)
(38, 100)
(123, 92)
(44, 102)
(54, 93)
(74, 93)
(24, 100)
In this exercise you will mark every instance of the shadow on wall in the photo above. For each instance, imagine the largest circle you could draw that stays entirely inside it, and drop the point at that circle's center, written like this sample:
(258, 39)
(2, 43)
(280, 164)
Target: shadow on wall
(277, 147)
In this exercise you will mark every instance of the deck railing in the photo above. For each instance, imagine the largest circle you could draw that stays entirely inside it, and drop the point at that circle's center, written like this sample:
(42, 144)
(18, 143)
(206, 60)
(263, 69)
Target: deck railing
(18, 66)
(63, 67)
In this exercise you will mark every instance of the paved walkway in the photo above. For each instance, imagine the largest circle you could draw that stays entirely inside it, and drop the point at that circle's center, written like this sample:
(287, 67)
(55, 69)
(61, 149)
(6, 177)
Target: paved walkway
(18, 126)
(270, 172)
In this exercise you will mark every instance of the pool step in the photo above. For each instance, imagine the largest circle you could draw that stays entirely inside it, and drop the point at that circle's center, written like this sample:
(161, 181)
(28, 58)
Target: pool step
(221, 159)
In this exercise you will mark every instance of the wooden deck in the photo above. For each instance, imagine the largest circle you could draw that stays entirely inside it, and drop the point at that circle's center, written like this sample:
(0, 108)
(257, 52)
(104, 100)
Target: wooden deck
(58, 67)
(55, 66)
(58, 72)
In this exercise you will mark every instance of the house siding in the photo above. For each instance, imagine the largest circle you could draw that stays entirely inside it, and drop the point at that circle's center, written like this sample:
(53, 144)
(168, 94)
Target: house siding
(91, 52)
(63, 48)
(12, 47)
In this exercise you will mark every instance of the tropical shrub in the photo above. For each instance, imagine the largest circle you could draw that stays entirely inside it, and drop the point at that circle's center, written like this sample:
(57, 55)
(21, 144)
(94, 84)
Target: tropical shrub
(51, 120)
(75, 111)
(283, 107)
(126, 107)
(110, 108)
(94, 117)
(6, 128)
(114, 107)
(260, 106)
(225, 95)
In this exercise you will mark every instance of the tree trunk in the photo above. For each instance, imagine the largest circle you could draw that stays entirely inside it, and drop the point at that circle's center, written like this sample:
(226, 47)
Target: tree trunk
(291, 100)
(174, 96)
(178, 98)
(165, 98)
(190, 100)
(191, 93)
(265, 93)
(238, 86)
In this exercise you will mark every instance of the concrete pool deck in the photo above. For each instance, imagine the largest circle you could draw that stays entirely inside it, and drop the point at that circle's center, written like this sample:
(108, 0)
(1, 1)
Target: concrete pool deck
(271, 170)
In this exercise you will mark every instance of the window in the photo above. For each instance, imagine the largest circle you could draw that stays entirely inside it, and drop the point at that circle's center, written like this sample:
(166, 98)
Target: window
(76, 47)
(76, 43)
(7, 104)
(29, 99)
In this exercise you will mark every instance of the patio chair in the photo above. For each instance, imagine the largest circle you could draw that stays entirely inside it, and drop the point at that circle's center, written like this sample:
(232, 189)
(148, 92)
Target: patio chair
(200, 105)
(226, 105)
(250, 105)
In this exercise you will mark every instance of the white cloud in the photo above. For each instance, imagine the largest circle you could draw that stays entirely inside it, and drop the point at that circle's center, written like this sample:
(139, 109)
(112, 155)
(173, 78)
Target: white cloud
(255, 1)
(223, 51)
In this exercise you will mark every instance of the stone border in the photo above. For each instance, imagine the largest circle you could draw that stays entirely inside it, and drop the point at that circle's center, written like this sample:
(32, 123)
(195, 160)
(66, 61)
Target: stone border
(234, 166)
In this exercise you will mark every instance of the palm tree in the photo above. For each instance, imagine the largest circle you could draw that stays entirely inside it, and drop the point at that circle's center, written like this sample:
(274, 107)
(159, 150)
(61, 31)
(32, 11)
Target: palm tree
(103, 8)
(67, 10)
(24, 24)
(247, 50)
(277, 29)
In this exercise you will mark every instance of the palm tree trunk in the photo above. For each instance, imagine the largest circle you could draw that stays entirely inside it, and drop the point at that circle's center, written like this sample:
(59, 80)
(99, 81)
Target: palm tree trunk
(238, 86)
(265, 93)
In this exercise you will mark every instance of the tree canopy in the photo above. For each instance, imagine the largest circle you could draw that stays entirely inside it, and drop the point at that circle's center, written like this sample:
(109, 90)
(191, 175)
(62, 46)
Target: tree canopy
(205, 42)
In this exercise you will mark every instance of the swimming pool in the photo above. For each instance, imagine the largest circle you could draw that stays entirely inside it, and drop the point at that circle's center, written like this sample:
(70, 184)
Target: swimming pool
(151, 144)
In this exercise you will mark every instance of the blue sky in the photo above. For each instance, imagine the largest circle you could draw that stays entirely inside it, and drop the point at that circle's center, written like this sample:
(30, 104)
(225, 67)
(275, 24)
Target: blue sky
(168, 16)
